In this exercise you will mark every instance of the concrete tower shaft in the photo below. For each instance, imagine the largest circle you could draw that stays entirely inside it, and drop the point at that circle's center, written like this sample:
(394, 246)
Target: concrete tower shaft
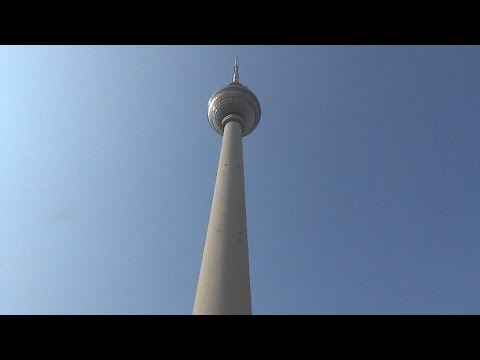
(224, 282)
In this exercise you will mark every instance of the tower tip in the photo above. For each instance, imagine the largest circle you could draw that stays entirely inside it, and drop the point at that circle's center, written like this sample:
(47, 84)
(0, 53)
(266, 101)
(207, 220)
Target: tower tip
(235, 70)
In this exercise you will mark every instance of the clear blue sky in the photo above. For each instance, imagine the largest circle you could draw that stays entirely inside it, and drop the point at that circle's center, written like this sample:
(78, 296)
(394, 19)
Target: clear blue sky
(362, 179)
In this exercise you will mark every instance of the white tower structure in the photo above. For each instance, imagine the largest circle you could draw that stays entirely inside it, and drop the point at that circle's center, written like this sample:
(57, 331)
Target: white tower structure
(224, 282)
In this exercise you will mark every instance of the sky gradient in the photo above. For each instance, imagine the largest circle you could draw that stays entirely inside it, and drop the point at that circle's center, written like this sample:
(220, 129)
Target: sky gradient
(362, 178)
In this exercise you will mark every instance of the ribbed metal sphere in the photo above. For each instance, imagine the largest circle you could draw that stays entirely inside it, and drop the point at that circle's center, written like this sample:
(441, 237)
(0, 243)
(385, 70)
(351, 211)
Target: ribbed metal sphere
(234, 98)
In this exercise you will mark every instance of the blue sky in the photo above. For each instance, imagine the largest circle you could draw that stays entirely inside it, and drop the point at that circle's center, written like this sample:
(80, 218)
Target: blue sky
(362, 179)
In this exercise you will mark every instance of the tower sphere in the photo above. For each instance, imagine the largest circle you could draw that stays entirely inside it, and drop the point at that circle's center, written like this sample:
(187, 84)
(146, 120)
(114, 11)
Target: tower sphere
(237, 100)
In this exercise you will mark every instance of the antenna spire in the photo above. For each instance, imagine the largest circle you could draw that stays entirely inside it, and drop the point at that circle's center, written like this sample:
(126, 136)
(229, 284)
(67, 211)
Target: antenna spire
(235, 70)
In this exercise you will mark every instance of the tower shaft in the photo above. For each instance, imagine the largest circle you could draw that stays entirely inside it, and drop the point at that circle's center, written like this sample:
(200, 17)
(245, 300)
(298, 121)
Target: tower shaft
(224, 281)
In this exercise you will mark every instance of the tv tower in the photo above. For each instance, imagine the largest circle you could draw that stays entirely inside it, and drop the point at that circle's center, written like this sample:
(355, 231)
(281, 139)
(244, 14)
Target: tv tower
(224, 282)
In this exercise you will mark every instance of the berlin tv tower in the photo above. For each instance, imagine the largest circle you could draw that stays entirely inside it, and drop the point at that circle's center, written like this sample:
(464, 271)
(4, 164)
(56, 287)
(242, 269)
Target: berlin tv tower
(224, 282)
